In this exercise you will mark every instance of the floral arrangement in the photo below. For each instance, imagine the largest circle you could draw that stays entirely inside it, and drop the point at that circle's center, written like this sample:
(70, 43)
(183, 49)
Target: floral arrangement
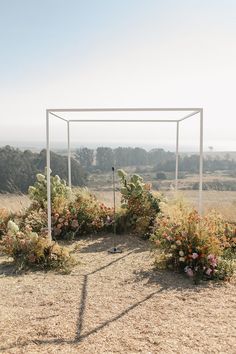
(59, 189)
(140, 204)
(88, 215)
(192, 244)
(71, 214)
(28, 249)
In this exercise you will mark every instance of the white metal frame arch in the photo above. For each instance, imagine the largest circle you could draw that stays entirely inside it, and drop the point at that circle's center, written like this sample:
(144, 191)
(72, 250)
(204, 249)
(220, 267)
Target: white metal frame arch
(55, 113)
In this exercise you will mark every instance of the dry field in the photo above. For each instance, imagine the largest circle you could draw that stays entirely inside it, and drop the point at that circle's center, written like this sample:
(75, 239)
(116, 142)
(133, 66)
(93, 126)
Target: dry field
(14, 202)
(224, 202)
(114, 304)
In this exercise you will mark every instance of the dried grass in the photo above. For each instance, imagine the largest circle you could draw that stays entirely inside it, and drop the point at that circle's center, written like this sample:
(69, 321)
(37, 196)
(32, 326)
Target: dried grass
(114, 304)
(222, 201)
(14, 202)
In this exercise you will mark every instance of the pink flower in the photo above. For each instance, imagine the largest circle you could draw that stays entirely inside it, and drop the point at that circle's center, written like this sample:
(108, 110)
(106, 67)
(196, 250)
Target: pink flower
(214, 263)
(208, 271)
(212, 260)
(194, 255)
(189, 272)
(210, 256)
(74, 223)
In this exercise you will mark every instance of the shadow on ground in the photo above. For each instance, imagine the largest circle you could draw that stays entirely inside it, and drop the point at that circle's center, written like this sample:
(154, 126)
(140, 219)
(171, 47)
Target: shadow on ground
(102, 243)
(164, 281)
(8, 268)
(171, 281)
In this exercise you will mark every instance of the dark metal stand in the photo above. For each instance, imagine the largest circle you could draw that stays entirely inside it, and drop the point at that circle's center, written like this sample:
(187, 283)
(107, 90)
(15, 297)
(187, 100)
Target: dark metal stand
(114, 249)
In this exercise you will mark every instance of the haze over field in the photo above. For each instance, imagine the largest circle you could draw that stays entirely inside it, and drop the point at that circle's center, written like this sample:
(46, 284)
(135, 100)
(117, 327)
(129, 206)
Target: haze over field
(121, 54)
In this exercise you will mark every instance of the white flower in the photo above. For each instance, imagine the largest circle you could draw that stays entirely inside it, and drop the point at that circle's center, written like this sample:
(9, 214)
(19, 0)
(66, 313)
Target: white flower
(173, 247)
(11, 226)
(40, 177)
(181, 259)
(34, 236)
(181, 253)
(57, 179)
(31, 189)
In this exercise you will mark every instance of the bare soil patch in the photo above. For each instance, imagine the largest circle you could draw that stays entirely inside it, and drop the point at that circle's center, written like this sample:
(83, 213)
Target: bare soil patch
(114, 304)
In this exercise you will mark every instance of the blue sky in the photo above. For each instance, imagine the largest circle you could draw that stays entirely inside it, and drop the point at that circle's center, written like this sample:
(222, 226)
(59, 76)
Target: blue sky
(71, 53)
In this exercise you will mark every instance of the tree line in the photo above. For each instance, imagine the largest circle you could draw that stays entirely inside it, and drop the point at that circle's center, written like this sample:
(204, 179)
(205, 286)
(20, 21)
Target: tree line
(18, 169)
(104, 157)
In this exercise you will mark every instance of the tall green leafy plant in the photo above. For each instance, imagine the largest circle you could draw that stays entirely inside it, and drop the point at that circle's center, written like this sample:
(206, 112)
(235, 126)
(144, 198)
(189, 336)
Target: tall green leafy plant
(140, 204)
(38, 192)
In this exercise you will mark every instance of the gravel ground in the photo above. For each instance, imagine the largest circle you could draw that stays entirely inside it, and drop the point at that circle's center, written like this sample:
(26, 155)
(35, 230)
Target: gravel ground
(114, 303)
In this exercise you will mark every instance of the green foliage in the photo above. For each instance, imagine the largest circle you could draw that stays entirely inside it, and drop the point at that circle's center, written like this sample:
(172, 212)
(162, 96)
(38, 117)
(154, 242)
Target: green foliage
(84, 215)
(18, 169)
(192, 244)
(140, 204)
(72, 214)
(225, 268)
(38, 192)
(161, 175)
(34, 219)
(30, 250)
(85, 157)
(104, 158)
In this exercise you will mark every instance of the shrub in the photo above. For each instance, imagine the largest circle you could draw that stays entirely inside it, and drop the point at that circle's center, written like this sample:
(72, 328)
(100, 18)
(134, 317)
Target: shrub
(140, 204)
(28, 249)
(161, 176)
(228, 239)
(59, 190)
(34, 219)
(192, 244)
(91, 215)
(83, 215)
(71, 214)
(4, 218)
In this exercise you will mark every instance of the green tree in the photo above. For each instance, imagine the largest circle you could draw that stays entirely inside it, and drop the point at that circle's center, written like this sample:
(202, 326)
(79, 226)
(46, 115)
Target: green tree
(104, 158)
(85, 157)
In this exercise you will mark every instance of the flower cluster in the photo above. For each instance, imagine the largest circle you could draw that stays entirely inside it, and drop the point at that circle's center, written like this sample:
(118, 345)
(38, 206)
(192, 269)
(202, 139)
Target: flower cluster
(30, 249)
(91, 215)
(71, 214)
(38, 192)
(83, 215)
(140, 204)
(190, 243)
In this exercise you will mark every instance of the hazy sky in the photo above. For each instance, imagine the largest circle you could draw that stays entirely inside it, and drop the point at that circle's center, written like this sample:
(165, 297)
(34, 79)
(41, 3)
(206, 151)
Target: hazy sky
(126, 53)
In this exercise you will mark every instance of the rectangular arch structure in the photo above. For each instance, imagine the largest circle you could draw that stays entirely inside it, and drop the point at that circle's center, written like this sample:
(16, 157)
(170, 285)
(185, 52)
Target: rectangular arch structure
(59, 112)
